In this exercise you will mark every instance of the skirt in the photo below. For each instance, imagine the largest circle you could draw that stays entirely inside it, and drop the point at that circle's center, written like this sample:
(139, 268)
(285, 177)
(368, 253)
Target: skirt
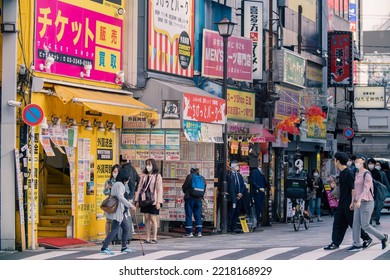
(150, 209)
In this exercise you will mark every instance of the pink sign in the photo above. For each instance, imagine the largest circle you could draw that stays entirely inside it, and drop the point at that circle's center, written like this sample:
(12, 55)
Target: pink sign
(204, 109)
(239, 56)
(75, 36)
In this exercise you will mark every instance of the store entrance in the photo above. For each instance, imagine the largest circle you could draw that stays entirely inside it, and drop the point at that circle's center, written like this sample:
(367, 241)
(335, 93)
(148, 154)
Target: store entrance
(55, 209)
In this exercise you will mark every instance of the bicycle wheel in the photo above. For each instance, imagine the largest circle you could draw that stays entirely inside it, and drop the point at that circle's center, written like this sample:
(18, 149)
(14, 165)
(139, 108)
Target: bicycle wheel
(296, 222)
(306, 223)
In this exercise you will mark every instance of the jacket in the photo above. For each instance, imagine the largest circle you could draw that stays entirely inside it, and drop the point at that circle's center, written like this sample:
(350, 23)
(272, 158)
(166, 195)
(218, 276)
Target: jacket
(257, 181)
(134, 179)
(156, 187)
(118, 190)
(187, 186)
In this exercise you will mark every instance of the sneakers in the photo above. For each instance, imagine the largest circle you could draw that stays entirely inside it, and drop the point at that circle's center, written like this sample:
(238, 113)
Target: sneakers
(127, 250)
(319, 219)
(106, 251)
(189, 235)
(331, 247)
(378, 223)
(384, 241)
(355, 248)
(199, 234)
(367, 243)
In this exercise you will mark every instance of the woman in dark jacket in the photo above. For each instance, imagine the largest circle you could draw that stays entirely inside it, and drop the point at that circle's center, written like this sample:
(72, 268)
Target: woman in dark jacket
(316, 188)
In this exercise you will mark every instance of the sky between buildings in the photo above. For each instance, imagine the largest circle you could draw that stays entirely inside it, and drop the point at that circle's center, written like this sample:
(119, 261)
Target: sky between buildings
(375, 13)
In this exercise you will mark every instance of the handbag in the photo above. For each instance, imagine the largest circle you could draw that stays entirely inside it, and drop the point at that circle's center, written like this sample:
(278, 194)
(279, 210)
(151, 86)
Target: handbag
(110, 204)
(146, 197)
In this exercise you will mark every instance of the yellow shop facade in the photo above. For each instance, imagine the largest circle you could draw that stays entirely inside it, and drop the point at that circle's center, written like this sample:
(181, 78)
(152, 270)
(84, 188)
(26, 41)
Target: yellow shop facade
(73, 56)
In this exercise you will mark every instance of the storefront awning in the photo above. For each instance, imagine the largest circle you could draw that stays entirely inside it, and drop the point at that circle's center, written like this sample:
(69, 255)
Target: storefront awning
(268, 136)
(107, 103)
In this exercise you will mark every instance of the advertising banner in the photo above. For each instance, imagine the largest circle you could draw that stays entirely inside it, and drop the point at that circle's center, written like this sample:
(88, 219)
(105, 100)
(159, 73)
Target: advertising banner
(75, 35)
(253, 28)
(288, 104)
(240, 105)
(239, 56)
(171, 37)
(203, 109)
(340, 62)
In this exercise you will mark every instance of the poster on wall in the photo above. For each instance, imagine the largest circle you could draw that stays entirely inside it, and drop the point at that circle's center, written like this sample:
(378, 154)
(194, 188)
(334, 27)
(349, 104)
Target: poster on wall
(172, 145)
(171, 37)
(79, 39)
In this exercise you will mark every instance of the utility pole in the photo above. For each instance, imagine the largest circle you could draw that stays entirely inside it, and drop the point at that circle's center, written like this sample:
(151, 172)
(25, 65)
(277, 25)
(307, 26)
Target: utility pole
(8, 125)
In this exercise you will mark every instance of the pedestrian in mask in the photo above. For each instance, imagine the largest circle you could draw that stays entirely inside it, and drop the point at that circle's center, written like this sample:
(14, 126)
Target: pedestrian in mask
(316, 188)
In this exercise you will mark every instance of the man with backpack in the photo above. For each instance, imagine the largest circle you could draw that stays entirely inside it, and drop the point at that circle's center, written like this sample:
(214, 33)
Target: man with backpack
(193, 188)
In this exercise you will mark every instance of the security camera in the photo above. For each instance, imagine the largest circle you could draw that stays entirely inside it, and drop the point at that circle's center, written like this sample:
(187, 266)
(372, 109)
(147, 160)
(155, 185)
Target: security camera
(120, 11)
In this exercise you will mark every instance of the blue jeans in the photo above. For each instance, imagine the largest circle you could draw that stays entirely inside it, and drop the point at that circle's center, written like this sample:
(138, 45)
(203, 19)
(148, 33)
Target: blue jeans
(193, 207)
(315, 206)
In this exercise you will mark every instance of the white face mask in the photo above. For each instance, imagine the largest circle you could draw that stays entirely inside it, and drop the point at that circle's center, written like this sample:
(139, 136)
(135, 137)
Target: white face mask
(149, 168)
(371, 166)
(114, 175)
(315, 174)
(377, 167)
(358, 165)
(349, 163)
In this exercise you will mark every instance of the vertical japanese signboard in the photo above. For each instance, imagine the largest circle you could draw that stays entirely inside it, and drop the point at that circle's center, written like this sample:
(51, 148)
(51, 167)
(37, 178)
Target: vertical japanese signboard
(171, 37)
(76, 33)
(104, 161)
(340, 61)
(253, 28)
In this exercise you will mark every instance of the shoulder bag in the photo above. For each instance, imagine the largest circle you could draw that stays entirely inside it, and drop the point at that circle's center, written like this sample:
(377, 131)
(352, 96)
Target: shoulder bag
(146, 197)
(110, 204)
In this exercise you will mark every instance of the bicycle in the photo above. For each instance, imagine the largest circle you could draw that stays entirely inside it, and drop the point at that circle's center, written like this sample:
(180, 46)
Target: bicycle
(299, 217)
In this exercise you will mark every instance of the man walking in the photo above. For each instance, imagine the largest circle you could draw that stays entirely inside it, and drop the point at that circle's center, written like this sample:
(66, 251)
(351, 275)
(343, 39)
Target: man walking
(343, 216)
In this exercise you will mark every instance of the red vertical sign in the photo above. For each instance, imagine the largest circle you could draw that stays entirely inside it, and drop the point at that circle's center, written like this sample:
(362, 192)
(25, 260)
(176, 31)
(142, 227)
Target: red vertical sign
(340, 59)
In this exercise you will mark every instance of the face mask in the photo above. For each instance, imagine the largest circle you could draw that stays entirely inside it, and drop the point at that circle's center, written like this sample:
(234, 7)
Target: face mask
(371, 166)
(358, 165)
(349, 163)
(377, 167)
(114, 175)
(315, 174)
(149, 168)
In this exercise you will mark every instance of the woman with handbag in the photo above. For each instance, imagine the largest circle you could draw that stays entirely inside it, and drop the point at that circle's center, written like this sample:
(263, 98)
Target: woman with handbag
(107, 191)
(119, 217)
(149, 198)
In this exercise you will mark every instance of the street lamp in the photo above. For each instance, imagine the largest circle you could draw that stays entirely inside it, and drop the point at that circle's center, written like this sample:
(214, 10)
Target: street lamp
(225, 29)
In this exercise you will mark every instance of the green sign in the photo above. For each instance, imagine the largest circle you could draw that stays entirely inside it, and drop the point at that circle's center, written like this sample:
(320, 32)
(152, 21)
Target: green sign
(294, 69)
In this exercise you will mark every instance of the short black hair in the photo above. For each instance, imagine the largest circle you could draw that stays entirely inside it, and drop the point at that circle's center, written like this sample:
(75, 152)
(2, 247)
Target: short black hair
(371, 160)
(123, 176)
(342, 157)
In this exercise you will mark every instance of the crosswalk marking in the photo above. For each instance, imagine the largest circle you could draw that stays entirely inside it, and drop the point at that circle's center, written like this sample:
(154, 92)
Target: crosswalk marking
(157, 255)
(50, 255)
(316, 254)
(370, 253)
(100, 256)
(212, 254)
(268, 253)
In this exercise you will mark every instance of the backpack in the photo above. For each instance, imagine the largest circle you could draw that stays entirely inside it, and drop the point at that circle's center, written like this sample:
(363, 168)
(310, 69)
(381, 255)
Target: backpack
(379, 189)
(198, 187)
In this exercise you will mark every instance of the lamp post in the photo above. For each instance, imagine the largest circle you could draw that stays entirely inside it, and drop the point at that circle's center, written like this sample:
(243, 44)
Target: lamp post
(225, 29)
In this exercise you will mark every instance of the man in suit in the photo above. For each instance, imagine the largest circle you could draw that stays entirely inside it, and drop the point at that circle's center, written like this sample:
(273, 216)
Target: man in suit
(258, 186)
(238, 195)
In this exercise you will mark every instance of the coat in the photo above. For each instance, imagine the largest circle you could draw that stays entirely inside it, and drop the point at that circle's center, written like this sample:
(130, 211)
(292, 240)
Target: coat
(188, 184)
(156, 187)
(118, 190)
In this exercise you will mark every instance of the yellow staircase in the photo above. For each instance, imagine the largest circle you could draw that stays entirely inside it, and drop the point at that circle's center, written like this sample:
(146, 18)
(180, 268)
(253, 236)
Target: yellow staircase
(56, 211)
